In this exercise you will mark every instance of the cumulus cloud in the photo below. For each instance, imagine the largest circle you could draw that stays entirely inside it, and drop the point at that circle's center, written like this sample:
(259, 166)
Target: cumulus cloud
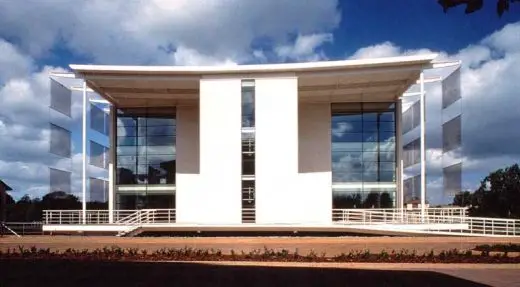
(190, 57)
(144, 32)
(16, 64)
(305, 48)
(387, 49)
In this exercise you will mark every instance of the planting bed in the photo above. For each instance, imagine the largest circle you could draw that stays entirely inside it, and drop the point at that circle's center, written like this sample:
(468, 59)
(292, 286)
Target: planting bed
(506, 248)
(332, 246)
(115, 253)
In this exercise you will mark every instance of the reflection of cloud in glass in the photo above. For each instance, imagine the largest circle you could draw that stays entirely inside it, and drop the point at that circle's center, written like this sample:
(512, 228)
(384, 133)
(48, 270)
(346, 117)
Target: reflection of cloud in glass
(341, 128)
(363, 143)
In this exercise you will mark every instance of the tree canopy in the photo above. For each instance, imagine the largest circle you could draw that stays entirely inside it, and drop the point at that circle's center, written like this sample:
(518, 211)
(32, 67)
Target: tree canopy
(27, 209)
(475, 5)
(497, 196)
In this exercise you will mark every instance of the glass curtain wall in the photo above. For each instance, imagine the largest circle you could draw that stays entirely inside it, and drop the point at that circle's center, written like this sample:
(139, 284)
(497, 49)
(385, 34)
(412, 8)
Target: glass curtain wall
(363, 155)
(248, 151)
(145, 158)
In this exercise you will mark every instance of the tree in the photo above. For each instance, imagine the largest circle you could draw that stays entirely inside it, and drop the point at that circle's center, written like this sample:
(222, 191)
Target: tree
(475, 5)
(462, 199)
(60, 200)
(346, 201)
(372, 200)
(386, 200)
(497, 196)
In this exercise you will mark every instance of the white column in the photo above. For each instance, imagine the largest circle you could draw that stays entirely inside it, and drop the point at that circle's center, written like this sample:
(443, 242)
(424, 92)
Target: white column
(314, 182)
(276, 110)
(423, 149)
(112, 159)
(399, 151)
(217, 198)
(84, 155)
(187, 175)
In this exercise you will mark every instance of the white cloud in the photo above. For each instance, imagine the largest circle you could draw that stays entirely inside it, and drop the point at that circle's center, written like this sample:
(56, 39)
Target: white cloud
(13, 63)
(149, 31)
(505, 39)
(305, 48)
(190, 57)
(387, 49)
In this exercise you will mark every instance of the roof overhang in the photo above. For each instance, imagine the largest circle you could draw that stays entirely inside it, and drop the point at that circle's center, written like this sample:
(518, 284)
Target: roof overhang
(370, 80)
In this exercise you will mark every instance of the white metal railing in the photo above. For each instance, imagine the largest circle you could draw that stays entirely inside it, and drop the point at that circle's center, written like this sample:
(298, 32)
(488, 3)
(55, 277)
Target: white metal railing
(435, 217)
(395, 214)
(24, 228)
(475, 225)
(60, 217)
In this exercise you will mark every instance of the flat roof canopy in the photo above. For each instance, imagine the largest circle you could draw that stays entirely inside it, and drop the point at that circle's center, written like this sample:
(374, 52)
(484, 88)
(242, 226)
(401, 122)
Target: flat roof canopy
(366, 80)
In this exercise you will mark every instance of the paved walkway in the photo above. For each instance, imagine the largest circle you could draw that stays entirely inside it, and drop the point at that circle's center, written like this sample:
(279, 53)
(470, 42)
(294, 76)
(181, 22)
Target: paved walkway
(93, 273)
(488, 274)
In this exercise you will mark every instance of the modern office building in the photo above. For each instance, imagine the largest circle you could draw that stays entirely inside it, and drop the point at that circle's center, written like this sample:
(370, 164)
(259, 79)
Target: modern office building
(269, 144)
(319, 146)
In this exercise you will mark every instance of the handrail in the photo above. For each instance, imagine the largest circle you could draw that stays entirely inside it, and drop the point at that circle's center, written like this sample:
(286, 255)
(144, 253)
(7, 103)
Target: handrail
(471, 225)
(433, 220)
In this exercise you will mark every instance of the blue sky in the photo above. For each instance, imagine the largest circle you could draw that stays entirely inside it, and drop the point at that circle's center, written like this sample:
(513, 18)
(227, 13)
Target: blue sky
(414, 25)
(37, 37)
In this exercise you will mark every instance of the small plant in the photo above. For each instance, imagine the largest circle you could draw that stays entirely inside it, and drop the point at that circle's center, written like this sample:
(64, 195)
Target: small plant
(384, 255)
(133, 251)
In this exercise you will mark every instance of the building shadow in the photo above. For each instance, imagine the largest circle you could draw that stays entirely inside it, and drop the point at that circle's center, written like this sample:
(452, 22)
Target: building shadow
(92, 273)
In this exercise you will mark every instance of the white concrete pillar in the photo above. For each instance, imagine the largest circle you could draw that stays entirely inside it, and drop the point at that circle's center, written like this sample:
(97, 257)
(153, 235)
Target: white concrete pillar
(399, 154)
(276, 112)
(187, 163)
(112, 144)
(216, 197)
(315, 163)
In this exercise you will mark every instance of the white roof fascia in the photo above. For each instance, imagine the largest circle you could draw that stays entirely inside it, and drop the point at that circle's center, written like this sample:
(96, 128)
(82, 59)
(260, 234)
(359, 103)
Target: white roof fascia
(310, 66)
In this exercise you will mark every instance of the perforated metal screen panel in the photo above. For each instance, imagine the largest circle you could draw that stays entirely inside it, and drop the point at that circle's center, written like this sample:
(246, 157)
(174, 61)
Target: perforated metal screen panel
(412, 117)
(59, 180)
(98, 155)
(451, 135)
(412, 189)
(60, 141)
(412, 153)
(451, 89)
(452, 179)
(98, 119)
(61, 100)
(98, 191)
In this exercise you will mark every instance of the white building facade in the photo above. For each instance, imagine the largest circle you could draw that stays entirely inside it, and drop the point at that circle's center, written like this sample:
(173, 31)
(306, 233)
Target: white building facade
(279, 144)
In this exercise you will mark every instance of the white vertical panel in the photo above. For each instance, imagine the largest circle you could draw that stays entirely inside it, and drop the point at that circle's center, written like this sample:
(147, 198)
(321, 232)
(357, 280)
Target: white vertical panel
(187, 164)
(315, 179)
(217, 199)
(111, 167)
(399, 152)
(277, 192)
